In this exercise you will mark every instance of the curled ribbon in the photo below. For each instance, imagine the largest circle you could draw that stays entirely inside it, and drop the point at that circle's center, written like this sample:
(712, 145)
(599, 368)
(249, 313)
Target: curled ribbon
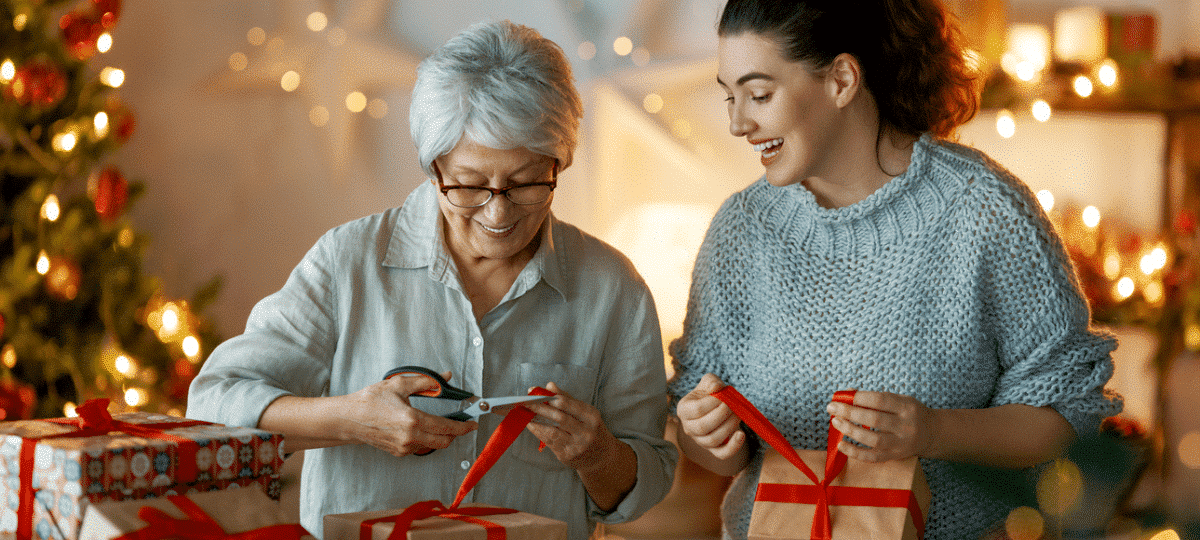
(512, 425)
(198, 525)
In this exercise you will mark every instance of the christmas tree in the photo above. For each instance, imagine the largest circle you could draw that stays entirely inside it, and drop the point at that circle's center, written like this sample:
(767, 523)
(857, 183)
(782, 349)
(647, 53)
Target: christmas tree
(79, 318)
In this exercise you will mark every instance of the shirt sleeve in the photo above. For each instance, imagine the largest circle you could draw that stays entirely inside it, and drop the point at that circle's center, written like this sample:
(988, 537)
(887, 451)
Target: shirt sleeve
(1039, 320)
(286, 349)
(633, 401)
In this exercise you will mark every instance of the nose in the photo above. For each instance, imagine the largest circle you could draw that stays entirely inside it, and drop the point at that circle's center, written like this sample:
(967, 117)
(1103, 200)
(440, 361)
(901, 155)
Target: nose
(497, 208)
(740, 125)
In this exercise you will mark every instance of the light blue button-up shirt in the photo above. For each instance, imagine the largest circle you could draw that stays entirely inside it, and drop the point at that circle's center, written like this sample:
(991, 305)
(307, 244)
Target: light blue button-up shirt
(381, 292)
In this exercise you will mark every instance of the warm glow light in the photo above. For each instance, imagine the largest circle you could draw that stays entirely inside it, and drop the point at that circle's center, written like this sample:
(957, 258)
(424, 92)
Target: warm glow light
(100, 124)
(641, 57)
(1059, 487)
(191, 346)
(1125, 288)
(1112, 265)
(377, 108)
(1006, 125)
(238, 61)
(64, 142)
(104, 42)
(69, 410)
(1024, 523)
(1091, 217)
(135, 397)
(290, 81)
(112, 77)
(256, 36)
(317, 21)
(50, 208)
(125, 237)
(1047, 199)
(170, 319)
(20, 21)
(1107, 75)
(1026, 71)
(1168, 534)
(586, 50)
(1041, 110)
(1029, 50)
(8, 70)
(125, 365)
(318, 115)
(622, 46)
(356, 102)
(1153, 292)
(9, 356)
(1191, 337)
(1083, 86)
(43, 263)
(652, 103)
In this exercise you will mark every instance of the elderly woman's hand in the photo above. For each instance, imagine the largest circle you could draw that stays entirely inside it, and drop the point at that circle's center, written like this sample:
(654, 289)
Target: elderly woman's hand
(380, 415)
(577, 434)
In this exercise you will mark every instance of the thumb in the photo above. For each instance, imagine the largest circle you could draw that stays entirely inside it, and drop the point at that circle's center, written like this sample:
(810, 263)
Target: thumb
(407, 385)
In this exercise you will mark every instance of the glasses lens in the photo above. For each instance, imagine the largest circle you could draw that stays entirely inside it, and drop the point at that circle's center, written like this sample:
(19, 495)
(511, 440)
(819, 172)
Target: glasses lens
(529, 194)
(468, 197)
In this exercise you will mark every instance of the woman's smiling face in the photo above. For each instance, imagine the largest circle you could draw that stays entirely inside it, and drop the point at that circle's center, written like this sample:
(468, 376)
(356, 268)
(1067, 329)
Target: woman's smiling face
(783, 109)
(499, 229)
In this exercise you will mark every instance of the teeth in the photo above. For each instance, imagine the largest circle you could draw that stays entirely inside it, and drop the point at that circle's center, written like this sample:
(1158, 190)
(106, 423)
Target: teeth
(760, 147)
(506, 229)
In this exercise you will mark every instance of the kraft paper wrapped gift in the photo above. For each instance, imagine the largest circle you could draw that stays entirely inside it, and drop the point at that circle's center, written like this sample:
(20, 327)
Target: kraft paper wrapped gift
(516, 525)
(248, 512)
(53, 469)
(867, 500)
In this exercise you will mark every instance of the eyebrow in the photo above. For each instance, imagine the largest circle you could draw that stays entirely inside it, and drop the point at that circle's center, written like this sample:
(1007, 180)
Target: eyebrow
(748, 77)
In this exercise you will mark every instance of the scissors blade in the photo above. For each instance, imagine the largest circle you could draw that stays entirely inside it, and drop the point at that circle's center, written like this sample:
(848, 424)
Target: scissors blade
(483, 406)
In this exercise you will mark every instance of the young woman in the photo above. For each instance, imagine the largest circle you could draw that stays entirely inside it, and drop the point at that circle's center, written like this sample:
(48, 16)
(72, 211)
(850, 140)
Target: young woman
(876, 255)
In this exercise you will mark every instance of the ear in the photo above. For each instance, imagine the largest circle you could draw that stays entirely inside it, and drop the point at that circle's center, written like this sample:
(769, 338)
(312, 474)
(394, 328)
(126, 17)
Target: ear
(437, 173)
(843, 79)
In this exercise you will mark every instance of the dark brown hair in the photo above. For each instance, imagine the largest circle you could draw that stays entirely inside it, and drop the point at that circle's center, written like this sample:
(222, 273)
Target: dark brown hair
(910, 52)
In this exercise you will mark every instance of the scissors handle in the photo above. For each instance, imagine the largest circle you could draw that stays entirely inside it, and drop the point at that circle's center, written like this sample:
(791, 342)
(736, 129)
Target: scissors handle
(443, 391)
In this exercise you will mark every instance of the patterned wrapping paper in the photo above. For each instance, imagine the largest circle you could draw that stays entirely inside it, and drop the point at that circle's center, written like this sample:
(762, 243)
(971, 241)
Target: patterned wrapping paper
(69, 473)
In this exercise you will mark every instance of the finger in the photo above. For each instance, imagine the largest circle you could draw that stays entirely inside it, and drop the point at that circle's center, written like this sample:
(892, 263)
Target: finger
(860, 434)
(721, 436)
(708, 384)
(437, 425)
(553, 387)
(859, 453)
(719, 419)
(407, 385)
(731, 446)
(881, 420)
(694, 406)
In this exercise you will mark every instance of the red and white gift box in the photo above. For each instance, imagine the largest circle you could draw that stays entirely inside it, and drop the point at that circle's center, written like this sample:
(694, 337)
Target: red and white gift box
(244, 514)
(852, 500)
(54, 468)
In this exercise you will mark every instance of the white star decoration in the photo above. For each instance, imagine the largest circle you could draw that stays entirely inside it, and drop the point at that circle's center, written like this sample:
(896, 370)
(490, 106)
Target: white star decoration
(330, 58)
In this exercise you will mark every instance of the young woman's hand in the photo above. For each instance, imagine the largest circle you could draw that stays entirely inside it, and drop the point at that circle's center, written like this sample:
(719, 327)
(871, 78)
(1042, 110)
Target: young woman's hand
(709, 422)
(899, 426)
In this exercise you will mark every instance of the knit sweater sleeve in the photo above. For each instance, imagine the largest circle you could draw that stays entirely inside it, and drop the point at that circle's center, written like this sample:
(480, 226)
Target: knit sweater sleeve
(1035, 313)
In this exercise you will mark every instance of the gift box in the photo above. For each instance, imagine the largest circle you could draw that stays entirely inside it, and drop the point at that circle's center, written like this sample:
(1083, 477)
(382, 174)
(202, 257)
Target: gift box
(867, 500)
(467, 522)
(53, 469)
(851, 500)
(249, 513)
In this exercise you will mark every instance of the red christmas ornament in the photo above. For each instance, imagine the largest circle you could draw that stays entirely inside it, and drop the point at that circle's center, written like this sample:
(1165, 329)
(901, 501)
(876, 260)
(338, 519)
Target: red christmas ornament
(109, 11)
(1185, 222)
(120, 120)
(37, 83)
(80, 30)
(16, 399)
(110, 194)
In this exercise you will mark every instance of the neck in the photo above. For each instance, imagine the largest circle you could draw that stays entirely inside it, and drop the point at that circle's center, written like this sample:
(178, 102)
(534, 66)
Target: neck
(868, 160)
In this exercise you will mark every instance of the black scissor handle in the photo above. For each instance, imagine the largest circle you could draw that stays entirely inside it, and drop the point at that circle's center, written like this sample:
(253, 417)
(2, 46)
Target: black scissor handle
(443, 391)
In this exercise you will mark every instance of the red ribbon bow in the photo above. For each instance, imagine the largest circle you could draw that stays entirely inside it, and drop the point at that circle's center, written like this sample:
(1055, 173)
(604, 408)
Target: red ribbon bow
(820, 493)
(512, 425)
(93, 420)
(198, 525)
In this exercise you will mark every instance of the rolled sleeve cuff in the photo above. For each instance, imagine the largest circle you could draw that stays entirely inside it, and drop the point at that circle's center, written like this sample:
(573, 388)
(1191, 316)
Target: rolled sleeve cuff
(656, 472)
(241, 404)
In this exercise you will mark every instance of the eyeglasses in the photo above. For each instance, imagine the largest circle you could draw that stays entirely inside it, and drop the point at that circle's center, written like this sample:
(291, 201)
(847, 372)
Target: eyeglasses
(522, 194)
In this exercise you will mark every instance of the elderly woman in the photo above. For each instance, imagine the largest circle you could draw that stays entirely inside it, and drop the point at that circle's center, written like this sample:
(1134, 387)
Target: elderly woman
(473, 278)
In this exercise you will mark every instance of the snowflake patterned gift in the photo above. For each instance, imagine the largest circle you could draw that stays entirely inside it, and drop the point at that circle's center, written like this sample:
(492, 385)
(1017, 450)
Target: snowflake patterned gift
(50, 470)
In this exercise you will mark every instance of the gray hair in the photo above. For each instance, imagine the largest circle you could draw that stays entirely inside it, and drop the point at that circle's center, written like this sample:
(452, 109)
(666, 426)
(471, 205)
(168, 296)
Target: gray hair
(500, 84)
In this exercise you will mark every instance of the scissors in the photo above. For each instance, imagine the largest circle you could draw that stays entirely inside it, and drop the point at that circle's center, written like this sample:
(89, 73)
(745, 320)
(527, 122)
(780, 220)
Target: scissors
(471, 406)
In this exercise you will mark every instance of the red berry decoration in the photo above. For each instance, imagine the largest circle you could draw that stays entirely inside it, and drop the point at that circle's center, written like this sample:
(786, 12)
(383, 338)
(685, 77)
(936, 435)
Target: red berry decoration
(16, 399)
(120, 120)
(109, 11)
(37, 83)
(80, 30)
(111, 193)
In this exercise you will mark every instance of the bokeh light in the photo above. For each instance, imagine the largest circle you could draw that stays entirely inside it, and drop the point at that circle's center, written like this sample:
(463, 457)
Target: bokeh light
(653, 103)
(1024, 523)
(622, 46)
(1189, 450)
(1041, 110)
(1046, 199)
(1083, 86)
(1006, 125)
(1059, 487)
(586, 50)
(317, 21)
(256, 36)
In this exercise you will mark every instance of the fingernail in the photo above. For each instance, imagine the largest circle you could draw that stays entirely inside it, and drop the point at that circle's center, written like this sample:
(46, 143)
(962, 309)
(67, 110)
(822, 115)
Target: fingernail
(830, 408)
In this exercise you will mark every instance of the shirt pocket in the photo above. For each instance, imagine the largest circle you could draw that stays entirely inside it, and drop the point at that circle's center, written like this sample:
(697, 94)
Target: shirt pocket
(579, 381)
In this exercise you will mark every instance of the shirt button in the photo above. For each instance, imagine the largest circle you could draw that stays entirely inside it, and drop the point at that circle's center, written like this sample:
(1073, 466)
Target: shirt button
(477, 341)
(465, 465)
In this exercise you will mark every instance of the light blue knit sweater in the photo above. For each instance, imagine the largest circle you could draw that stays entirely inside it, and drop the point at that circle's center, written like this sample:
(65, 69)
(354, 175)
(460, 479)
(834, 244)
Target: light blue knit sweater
(947, 284)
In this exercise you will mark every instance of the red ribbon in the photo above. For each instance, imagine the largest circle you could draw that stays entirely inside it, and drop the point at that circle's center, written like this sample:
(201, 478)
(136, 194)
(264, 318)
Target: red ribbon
(198, 525)
(820, 493)
(514, 422)
(94, 420)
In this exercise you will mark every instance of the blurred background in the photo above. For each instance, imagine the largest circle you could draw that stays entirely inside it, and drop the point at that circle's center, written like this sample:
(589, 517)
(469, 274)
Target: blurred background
(247, 128)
